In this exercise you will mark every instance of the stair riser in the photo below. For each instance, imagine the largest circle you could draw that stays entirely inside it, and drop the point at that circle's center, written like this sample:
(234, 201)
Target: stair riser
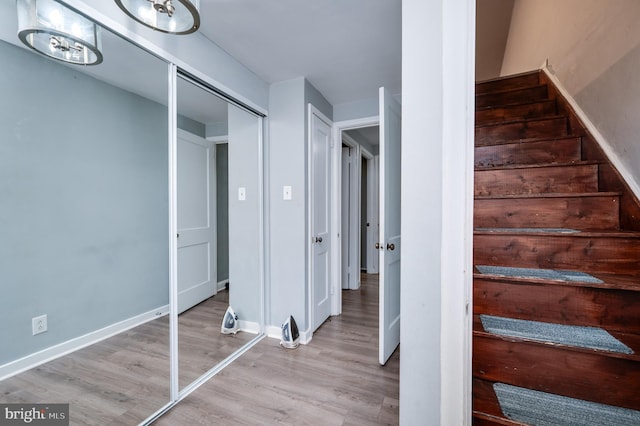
(519, 82)
(582, 213)
(530, 110)
(583, 375)
(538, 180)
(568, 252)
(539, 128)
(518, 96)
(561, 304)
(540, 152)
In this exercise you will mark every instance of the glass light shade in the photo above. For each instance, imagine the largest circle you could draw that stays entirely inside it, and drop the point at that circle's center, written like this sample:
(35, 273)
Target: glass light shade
(58, 32)
(167, 16)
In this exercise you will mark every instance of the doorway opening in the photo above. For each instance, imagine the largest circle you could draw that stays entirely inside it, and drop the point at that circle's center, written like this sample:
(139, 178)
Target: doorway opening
(359, 204)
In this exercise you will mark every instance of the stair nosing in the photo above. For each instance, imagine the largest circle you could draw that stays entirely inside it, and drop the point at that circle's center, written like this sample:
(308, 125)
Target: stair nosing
(499, 142)
(518, 166)
(579, 234)
(634, 357)
(547, 195)
(490, 107)
(606, 285)
(522, 120)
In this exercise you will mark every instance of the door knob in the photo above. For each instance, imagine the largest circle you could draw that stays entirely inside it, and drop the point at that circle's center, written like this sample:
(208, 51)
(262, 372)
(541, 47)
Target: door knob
(391, 247)
(377, 246)
(318, 239)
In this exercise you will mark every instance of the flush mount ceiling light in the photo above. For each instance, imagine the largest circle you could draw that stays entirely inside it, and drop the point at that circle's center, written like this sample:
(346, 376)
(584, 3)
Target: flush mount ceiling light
(58, 32)
(167, 16)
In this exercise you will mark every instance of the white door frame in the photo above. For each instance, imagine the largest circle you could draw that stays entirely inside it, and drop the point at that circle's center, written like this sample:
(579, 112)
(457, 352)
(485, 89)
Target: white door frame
(336, 208)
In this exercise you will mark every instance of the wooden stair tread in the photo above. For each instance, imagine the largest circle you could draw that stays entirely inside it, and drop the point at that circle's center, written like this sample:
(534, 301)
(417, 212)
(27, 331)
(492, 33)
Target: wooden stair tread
(529, 140)
(536, 165)
(522, 120)
(547, 195)
(610, 281)
(579, 234)
(525, 79)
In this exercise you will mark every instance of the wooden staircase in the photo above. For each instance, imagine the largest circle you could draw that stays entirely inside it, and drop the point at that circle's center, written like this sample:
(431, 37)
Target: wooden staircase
(547, 198)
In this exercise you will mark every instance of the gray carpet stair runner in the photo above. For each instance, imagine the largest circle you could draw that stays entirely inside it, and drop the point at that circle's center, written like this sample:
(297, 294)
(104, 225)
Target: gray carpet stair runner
(544, 409)
(584, 337)
(547, 274)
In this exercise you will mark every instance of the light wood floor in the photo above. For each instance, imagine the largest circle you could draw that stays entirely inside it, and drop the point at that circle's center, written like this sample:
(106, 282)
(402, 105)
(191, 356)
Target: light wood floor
(125, 379)
(335, 380)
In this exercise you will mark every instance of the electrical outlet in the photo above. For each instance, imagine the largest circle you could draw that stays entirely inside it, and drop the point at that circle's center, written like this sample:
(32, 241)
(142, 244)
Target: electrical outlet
(39, 324)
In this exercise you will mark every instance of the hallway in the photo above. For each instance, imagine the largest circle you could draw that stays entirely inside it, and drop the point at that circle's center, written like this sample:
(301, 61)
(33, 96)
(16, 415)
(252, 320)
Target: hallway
(335, 380)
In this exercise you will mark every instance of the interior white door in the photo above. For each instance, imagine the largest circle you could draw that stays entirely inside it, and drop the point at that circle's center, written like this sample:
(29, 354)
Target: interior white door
(346, 216)
(196, 220)
(390, 243)
(320, 196)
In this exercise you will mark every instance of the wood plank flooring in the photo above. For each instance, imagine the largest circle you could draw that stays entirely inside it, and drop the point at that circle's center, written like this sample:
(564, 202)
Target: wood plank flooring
(125, 379)
(335, 380)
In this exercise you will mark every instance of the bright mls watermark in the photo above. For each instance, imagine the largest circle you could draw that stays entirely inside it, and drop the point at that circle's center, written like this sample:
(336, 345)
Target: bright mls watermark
(34, 414)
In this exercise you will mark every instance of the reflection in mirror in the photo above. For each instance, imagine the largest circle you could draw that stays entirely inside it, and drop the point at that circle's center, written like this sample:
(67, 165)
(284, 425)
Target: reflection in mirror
(219, 228)
(83, 225)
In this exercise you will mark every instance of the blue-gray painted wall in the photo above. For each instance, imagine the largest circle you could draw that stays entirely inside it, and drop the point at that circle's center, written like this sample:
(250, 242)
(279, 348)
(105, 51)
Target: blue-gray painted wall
(83, 203)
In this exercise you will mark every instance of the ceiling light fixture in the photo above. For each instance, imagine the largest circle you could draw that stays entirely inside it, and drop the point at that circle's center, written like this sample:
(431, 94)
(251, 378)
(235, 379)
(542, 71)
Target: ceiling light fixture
(56, 31)
(167, 16)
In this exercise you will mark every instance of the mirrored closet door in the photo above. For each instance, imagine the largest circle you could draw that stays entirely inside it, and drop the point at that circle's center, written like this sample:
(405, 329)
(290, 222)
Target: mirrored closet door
(219, 228)
(83, 224)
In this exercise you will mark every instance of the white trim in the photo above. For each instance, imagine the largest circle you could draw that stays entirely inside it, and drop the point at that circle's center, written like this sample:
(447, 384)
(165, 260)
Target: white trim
(49, 354)
(218, 139)
(591, 128)
(249, 326)
(275, 332)
(173, 230)
(336, 208)
(312, 110)
(222, 284)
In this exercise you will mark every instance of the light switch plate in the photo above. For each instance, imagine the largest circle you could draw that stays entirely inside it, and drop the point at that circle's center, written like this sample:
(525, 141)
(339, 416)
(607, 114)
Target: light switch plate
(286, 193)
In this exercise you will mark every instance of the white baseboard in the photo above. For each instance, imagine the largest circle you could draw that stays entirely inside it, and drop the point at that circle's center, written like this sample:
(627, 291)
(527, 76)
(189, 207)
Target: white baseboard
(49, 354)
(602, 141)
(222, 285)
(275, 332)
(249, 326)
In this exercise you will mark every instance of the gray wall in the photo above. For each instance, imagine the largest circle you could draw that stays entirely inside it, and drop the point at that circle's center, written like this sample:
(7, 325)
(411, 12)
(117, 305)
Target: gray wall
(191, 126)
(288, 123)
(244, 216)
(222, 210)
(83, 193)
(287, 160)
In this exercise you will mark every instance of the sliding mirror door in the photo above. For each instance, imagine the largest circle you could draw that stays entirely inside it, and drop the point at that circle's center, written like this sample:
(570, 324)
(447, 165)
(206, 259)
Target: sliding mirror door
(219, 228)
(83, 224)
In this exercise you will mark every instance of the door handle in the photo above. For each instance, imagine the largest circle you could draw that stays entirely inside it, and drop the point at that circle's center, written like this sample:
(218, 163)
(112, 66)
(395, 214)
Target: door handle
(391, 247)
(377, 246)
(318, 239)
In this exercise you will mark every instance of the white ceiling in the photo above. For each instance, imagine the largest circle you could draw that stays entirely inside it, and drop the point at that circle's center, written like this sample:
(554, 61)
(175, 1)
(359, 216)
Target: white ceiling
(346, 48)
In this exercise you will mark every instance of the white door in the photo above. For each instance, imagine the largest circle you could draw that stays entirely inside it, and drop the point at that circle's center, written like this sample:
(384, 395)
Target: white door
(346, 216)
(390, 244)
(320, 209)
(196, 220)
